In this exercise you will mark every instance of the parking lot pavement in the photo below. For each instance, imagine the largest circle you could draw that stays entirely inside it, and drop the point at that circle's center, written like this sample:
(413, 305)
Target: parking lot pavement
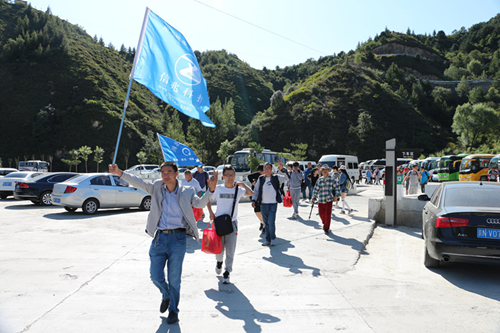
(394, 292)
(64, 272)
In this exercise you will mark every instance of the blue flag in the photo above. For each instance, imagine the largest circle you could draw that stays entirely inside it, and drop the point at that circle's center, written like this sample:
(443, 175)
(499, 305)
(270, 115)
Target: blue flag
(174, 151)
(167, 66)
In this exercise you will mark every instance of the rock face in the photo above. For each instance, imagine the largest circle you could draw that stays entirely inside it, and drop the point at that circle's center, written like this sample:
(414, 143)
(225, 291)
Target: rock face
(394, 48)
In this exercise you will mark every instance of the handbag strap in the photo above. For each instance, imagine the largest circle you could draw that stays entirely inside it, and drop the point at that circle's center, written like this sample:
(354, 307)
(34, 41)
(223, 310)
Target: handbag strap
(234, 201)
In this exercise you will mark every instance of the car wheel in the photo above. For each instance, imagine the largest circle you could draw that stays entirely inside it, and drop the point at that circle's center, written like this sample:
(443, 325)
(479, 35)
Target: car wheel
(45, 198)
(36, 202)
(90, 206)
(428, 261)
(145, 204)
(70, 209)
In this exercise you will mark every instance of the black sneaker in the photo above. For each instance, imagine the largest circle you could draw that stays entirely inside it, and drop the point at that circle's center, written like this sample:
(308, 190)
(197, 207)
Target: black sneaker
(218, 268)
(226, 277)
(172, 317)
(164, 305)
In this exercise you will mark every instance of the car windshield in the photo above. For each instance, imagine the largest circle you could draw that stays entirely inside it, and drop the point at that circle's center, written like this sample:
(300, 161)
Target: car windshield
(485, 196)
(16, 175)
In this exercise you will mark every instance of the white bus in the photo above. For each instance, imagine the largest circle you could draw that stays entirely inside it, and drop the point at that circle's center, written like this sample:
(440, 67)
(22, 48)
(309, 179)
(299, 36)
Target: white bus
(239, 161)
(350, 162)
(34, 166)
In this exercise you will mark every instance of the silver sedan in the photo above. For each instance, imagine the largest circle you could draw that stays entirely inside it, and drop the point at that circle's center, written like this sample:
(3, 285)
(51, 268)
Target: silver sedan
(98, 190)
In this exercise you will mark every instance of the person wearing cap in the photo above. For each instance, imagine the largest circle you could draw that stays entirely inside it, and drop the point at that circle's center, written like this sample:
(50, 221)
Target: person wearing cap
(323, 193)
(343, 182)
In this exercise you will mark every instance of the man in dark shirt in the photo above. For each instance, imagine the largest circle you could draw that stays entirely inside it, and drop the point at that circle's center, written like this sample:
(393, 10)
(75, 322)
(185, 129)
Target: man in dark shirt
(252, 178)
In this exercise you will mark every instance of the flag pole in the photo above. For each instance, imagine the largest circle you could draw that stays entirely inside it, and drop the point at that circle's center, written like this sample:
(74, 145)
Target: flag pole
(136, 59)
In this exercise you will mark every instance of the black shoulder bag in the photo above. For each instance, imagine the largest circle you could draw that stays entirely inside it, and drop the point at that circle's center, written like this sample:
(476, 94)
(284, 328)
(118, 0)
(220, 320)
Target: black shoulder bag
(224, 223)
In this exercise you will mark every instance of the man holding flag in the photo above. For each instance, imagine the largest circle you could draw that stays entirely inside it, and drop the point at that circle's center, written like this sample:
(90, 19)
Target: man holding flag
(170, 219)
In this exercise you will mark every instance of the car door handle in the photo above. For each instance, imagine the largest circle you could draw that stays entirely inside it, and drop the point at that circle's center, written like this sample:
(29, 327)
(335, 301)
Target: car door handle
(96, 189)
(120, 191)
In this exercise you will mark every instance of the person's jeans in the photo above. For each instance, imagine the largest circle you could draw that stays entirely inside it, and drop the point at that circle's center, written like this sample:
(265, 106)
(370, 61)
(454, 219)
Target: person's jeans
(310, 189)
(269, 216)
(168, 249)
(422, 188)
(295, 194)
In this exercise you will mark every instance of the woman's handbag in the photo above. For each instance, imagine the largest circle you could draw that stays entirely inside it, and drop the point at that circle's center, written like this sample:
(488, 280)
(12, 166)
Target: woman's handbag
(287, 200)
(224, 223)
(211, 243)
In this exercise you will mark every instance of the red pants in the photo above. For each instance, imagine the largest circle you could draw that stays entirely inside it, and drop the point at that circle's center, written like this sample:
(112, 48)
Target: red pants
(325, 213)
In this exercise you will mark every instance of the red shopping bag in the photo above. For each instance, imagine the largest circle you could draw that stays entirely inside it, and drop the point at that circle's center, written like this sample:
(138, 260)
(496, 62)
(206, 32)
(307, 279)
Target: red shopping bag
(211, 243)
(287, 200)
(198, 213)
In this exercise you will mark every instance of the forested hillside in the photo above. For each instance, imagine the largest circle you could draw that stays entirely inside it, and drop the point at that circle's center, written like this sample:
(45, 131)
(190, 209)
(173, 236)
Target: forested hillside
(61, 89)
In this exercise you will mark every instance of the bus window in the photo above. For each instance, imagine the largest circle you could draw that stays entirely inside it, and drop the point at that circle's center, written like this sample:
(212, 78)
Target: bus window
(341, 161)
(350, 165)
(268, 158)
(355, 165)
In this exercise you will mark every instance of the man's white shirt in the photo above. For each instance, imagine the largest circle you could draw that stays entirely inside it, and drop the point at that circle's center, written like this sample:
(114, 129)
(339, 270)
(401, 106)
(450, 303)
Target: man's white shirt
(193, 183)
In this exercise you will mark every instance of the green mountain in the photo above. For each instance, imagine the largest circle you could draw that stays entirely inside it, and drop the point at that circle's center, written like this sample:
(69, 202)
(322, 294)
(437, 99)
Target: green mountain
(61, 89)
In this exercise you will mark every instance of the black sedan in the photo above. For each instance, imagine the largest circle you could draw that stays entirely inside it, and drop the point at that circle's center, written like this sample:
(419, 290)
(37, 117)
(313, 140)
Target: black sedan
(38, 189)
(461, 223)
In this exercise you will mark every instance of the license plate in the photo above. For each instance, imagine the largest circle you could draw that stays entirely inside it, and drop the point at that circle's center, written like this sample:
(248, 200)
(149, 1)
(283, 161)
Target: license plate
(7, 184)
(488, 233)
(57, 200)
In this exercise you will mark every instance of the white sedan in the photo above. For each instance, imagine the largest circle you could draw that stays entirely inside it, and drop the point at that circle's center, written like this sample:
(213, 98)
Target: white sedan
(98, 190)
(8, 182)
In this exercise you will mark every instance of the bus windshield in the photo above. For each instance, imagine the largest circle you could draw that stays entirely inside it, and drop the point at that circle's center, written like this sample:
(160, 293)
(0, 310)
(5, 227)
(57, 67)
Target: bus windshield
(474, 164)
(448, 165)
(239, 161)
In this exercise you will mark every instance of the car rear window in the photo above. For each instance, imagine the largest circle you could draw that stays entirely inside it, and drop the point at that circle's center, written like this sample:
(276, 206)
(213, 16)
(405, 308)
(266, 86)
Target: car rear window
(16, 175)
(473, 197)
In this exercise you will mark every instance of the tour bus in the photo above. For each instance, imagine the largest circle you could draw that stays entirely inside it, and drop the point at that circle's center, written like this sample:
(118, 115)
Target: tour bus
(34, 166)
(239, 161)
(429, 163)
(495, 162)
(350, 162)
(475, 167)
(449, 167)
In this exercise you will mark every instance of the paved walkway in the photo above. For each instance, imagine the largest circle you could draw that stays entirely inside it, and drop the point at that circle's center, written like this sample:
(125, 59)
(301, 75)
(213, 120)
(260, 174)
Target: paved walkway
(63, 272)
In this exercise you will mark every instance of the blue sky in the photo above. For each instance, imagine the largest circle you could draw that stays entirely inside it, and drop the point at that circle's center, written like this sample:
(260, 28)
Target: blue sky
(325, 27)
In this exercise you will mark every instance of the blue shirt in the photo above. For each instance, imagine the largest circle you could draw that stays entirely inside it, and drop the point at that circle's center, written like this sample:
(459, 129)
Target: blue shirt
(201, 178)
(424, 177)
(171, 213)
(306, 173)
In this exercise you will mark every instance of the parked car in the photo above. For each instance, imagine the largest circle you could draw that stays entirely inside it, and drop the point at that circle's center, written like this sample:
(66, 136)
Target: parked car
(38, 189)
(461, 223)
(98, 190)
(8, 182)
(433, 174)
(6, 171)
(141, 168)
(152, 174)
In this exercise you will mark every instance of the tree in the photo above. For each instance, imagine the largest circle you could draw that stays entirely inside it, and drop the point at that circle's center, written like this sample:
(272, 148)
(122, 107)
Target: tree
(17, 159)
(51, 158)
(474, 122)
(173, 125)
(475, 67)
(463, 88)
(226, 148)
(476, 95)
(75, 157)
(126, 156)
(10, 162)
(141, 157)
(98, 156)
(84, 152)
(253, 157)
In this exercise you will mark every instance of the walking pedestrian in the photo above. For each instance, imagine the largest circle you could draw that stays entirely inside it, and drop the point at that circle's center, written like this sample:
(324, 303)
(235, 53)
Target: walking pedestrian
(190, 181)
(267, 195)
(170, 219)
(323, 193)
(296, 178)
(405, 182)
(368, 176)
(424, 179)
(343, 182)
(314, 176)
(413, 179)
(307, 182)
(225, 196)
(336, 186)
(201, 176)
(252, 178)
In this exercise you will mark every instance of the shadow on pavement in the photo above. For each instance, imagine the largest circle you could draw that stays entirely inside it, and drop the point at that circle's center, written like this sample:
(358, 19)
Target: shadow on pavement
(294, 264)
(415, 232)
(78, 215)
(28, 206)
(233, 304)
(310, 223)
(167, 328)
(478, 279)
(353, 243)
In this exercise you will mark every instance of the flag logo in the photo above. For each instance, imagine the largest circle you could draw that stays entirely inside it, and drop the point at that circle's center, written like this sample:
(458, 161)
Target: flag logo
(187, 71)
